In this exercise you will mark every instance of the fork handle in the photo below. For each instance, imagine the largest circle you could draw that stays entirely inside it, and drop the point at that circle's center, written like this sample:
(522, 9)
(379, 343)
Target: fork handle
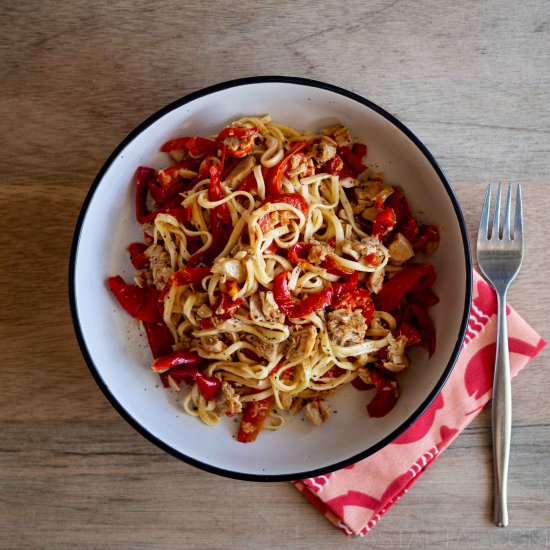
(501, 416)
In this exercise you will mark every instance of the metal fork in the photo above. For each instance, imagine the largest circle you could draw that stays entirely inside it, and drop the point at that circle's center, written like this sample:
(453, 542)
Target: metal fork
(499, 256)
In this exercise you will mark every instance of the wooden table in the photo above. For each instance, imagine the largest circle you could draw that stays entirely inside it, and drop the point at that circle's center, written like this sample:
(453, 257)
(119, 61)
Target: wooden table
(471, 80)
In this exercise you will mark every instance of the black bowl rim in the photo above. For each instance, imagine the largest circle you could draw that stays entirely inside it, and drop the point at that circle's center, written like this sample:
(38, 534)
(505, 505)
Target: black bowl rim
(74, 252)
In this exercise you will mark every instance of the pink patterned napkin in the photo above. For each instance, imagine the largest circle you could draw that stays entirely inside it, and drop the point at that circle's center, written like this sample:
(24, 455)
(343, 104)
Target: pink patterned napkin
(355, 498)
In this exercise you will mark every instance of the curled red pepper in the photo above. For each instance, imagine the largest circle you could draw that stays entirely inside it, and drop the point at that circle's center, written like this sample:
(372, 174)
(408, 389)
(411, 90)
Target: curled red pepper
(225, 307)
(385, 221)
(175, 359)
(405, 222)
(137, 256)
(424, 324)
(197, 146)
(159, 337)
(294, 199)
(386, 395)
(428, 239)
(412, 278)
(359, 298)
(175, 173)
(190, 275)
(140, 303)
(298, 253)
(334, 165)
(308, 305)
(335, 268)
(253, 419)
(275, 174)
(352, 158)
(208, 385)
(244, 135)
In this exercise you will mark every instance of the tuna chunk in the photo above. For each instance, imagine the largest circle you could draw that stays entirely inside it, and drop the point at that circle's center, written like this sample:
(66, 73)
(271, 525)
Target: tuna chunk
(301, 342)
(346, 327)
(230, 269)
(317, 411)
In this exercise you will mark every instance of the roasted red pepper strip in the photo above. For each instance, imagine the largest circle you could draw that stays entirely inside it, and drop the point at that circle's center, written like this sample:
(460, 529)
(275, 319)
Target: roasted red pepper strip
(308, 305)
(208, 385)
(138, 259)
(349, 284)
(197, 146)
(177, 358)
(190, 275)
(160, 338)
(428, 239)
(334, 268)
(386, 395)
(424, 323)
(243, 135)
(143, 176)
(253, 419)
(140, 303)
(352, 161)
(294, 199)
(410, 332)
(413, 277)
(359, 298)
(177, 172)
(334, 165)
(275, 174)
(405, 224)
(385, 221)
(298, 253)
(225, 307)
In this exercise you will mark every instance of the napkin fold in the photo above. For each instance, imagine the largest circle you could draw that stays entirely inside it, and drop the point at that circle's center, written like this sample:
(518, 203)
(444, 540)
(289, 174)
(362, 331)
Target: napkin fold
(355, 498)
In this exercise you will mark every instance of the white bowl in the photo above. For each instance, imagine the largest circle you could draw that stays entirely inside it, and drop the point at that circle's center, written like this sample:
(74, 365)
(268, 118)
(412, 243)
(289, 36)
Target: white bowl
(118, 355)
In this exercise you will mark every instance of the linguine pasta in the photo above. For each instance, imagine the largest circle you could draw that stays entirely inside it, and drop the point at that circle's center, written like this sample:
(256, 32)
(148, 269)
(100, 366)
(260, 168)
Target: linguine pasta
(265, 280)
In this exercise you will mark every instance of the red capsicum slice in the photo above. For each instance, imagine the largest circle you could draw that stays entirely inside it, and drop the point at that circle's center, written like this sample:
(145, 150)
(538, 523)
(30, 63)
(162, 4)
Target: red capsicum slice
(352, 160)
(428, 239)
(405, 224)
(225, 307)
(359, 298)
(386, 395)
(384, 222)
(177, 172)
(245, 137)
(197, 146)
(138, 259)
(424, 324)
(294, 199)
(413, 277)
(160, 338)
(308, 305)
(208, 385)
(253, 419)
(275, 174)
(175, 359)
(190, 275)
(140, 303)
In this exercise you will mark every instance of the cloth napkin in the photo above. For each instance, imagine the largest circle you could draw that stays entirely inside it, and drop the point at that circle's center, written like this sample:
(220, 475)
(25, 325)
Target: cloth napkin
(355, 498)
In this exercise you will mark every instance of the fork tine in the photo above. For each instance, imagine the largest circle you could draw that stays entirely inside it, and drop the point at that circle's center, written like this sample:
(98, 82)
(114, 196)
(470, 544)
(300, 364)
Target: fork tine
(496, 216)
(518, 227)
(484, 221)
(506, 226)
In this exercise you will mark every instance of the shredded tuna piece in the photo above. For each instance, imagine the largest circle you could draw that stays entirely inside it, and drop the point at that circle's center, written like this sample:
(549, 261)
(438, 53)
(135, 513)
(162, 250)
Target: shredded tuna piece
(204, 312)
(159, 261)
(240, 172)
(301, 342)
(340, 134)
(317, 412)
(397, 360)
(346, 327)
(400, 250)
(373, 191)
(227, 402)
(211, 344)
(229, 269)
(358, 250)
(324, 150)
(319, 252)
(375, 281)
(300, 165)
(297, 405)
(263, 307)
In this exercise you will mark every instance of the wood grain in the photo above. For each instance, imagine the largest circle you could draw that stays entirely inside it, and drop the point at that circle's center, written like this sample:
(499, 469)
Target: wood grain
(471, 79)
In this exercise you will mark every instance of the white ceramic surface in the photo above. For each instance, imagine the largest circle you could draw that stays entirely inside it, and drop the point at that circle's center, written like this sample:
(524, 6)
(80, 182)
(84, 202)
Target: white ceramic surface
(118, 355)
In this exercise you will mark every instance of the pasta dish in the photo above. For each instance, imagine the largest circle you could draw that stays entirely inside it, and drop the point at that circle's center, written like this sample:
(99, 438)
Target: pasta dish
(276, 267)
